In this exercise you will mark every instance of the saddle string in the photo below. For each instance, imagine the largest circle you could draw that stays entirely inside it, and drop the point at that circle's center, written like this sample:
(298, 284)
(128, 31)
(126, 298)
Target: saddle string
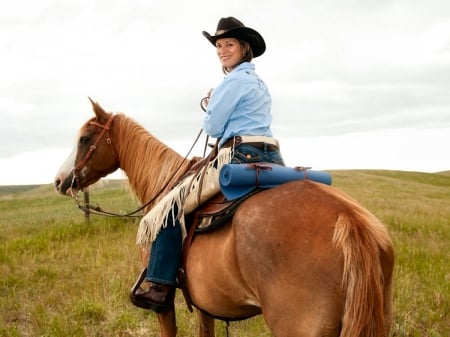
(99, 211)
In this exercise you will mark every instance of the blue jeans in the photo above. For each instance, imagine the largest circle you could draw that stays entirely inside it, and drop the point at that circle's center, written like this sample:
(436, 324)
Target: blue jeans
(165, 254)
(245, 153)
(166, 251)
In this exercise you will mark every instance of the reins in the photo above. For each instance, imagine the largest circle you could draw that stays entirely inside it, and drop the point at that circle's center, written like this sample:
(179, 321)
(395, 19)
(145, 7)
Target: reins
(91, 209)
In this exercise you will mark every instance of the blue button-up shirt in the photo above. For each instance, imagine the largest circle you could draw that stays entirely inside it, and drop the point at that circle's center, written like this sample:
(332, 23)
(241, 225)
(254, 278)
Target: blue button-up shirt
(240, 105)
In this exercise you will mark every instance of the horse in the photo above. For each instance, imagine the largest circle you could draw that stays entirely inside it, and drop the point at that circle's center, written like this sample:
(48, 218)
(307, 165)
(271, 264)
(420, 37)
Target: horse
(305, 255)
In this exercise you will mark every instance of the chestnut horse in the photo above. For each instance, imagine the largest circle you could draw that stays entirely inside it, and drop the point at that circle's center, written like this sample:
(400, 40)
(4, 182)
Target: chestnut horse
(305, 255)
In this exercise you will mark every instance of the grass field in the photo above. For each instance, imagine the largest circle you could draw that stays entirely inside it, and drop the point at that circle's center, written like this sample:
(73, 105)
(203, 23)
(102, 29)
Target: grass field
(62, 276)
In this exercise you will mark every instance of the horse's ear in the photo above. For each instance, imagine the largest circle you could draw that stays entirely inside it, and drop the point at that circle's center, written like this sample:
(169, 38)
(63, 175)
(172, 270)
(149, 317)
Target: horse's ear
(98, 110)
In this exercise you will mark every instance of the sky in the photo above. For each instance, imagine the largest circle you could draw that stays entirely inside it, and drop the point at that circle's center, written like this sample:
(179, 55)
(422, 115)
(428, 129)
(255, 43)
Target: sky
(355, 84)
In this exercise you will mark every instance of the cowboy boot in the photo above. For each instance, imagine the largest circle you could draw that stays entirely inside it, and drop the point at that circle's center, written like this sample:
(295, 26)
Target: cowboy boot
(158, 297)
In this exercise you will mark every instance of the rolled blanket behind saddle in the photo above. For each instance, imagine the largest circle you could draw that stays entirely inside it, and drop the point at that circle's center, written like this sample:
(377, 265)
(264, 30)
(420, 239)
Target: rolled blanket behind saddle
(237, 180)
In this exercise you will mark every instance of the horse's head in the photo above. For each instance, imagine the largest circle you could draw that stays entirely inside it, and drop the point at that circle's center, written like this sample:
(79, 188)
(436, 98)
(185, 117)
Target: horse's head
(93, 156)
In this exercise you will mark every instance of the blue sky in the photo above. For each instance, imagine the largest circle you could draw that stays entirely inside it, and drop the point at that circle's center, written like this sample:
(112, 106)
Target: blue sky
(355, 84)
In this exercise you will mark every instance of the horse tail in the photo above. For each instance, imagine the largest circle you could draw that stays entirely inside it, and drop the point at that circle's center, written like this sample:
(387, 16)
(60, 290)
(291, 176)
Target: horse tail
(368, 262)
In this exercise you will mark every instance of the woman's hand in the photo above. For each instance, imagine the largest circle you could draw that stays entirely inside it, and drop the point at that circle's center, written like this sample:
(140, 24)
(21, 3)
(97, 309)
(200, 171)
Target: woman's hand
(205, 100)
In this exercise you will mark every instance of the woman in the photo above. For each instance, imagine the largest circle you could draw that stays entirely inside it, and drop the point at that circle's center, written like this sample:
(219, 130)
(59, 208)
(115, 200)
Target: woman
(238, 115)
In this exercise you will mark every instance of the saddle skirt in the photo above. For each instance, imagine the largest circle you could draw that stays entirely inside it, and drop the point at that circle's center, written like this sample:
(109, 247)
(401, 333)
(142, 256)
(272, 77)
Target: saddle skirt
(214, 213)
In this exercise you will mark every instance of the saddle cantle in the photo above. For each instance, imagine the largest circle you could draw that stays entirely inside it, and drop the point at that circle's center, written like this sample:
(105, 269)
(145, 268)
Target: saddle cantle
(213, 214)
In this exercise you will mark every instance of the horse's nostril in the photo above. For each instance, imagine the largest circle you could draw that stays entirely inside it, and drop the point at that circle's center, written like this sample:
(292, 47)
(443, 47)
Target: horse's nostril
(57, 182)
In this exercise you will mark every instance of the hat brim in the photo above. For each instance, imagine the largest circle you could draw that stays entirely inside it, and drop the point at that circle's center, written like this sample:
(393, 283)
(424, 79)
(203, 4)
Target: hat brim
(249, 35)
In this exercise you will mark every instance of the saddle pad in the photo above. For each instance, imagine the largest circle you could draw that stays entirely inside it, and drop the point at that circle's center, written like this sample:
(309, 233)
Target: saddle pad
(237, 180)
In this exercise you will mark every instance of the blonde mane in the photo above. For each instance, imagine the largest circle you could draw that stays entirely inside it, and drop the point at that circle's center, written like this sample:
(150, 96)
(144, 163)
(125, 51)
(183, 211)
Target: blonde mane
(150, 164)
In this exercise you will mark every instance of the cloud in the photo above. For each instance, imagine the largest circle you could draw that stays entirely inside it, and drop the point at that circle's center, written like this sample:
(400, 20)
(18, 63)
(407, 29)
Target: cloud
(334, 68)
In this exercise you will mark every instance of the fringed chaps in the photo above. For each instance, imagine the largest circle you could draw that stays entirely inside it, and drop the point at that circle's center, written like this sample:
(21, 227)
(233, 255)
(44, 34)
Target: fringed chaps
(187, 196)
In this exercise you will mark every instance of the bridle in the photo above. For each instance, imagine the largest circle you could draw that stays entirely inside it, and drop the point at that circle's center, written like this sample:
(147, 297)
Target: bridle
(105, 129)
(96, 209)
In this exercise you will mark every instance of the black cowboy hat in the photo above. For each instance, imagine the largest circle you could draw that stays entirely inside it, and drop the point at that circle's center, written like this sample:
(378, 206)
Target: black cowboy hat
(232, 27)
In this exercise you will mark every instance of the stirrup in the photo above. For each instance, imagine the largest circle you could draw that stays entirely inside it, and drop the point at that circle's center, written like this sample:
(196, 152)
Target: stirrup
(139, 281)
(157, 307)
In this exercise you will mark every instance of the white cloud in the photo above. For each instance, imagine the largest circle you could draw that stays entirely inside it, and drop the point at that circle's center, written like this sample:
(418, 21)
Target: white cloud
(389, 149)
(334, 68)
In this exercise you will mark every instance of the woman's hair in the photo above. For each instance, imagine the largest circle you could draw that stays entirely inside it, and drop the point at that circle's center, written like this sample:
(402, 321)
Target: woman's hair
(248, 56)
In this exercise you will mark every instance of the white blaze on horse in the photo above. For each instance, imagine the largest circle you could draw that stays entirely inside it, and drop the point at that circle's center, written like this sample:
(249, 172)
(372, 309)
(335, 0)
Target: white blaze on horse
(305, 255)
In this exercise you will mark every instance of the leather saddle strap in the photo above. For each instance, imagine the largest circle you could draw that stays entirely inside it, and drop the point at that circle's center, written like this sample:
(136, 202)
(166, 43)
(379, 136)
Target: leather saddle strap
(182, 270)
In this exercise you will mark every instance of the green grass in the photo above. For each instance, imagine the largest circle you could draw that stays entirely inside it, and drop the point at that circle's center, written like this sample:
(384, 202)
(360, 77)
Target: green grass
(416, 209)
(63, 276)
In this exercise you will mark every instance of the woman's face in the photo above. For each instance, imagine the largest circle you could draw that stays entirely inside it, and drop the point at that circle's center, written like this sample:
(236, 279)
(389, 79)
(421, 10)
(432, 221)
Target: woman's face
(230, 52)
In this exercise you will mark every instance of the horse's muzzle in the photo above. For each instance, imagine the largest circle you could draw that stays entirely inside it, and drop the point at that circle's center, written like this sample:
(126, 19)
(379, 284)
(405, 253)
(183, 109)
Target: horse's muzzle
(66, 185)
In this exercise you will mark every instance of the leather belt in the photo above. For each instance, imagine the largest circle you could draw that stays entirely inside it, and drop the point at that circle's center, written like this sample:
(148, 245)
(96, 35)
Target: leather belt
(237, 140)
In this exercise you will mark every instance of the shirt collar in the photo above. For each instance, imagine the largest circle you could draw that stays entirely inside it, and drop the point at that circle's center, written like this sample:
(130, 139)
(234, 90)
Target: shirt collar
(244, 66)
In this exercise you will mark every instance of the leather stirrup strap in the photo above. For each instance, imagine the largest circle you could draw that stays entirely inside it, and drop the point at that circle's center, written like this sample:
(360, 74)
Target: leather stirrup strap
(182, 270)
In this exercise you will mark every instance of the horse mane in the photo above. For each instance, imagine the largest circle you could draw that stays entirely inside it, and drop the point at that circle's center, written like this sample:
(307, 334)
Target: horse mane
(149, 164)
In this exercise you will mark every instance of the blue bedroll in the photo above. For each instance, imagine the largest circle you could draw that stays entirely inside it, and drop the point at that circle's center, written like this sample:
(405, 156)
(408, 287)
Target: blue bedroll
(237, 180)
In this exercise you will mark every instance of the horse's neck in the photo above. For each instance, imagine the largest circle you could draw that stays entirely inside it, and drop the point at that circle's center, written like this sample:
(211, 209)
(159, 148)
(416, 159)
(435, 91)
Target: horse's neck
(149, 164)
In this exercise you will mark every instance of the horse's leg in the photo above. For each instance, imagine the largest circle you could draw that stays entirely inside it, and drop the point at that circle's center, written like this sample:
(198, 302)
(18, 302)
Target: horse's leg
(302, 308)
(311, 321)
(205, 324)
(167, 320)
(144, 255)
(167, 323)
(387, 264)
(388, 315)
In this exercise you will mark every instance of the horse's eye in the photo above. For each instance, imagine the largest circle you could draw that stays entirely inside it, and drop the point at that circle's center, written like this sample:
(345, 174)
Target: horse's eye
(84, 140)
